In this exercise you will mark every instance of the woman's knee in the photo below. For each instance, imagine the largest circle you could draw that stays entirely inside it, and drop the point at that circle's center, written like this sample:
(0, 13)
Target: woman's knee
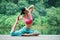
(13, 34)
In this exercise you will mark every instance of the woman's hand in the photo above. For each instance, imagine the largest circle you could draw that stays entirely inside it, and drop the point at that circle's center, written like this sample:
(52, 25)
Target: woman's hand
(17, 19)
(31, 8)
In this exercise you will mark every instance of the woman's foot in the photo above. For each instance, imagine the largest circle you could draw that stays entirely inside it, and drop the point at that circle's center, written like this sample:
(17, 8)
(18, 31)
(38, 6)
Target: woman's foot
(34, 34)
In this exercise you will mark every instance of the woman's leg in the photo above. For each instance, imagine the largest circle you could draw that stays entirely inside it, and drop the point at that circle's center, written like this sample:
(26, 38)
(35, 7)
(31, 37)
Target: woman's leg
(18, 33)
(34, 32)
(31, 33)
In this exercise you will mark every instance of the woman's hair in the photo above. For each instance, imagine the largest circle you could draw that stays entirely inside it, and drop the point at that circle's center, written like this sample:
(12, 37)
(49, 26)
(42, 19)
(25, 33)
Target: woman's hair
(22, 10)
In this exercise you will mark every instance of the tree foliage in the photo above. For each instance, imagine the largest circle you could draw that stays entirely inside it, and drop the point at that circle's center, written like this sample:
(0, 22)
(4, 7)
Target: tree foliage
(46, 15)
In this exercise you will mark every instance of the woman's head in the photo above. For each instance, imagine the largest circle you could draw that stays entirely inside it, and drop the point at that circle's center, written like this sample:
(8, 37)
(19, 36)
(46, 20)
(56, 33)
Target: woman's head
(24, 10)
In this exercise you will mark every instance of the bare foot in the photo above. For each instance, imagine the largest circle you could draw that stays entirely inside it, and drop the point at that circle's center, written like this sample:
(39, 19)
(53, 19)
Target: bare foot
(27, 35)
(30, 34)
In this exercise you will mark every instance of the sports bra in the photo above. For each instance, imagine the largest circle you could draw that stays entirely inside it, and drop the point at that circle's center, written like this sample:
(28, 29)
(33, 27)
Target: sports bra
(28, 20)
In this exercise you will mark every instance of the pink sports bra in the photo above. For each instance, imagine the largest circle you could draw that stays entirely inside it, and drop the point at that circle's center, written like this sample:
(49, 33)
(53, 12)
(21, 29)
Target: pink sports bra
(28, 20)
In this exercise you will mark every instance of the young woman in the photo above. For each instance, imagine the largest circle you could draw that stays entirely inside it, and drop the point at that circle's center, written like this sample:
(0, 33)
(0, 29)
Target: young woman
(27, 18)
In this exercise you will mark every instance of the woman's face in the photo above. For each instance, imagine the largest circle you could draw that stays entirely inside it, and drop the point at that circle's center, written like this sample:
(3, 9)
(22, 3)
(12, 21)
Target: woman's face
(26, 10)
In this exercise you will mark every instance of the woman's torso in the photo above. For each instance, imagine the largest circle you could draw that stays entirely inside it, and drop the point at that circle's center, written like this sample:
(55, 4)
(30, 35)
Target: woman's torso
(28, 20)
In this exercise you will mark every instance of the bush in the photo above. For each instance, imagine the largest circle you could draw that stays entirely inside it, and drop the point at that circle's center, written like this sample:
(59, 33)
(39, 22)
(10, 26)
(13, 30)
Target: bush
(11, 8)
(3, 8)
(8, 8)
(22, 3)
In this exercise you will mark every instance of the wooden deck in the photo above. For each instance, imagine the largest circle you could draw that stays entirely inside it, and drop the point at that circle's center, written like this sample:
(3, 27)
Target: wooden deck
(40, 37)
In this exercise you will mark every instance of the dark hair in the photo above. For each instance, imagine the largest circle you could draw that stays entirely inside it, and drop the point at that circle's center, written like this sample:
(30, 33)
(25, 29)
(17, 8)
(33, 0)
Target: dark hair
(22, 10)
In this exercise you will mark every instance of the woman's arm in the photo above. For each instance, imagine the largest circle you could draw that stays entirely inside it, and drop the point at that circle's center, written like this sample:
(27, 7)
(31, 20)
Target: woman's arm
(31, 8)
(14, 27)
(16, 22)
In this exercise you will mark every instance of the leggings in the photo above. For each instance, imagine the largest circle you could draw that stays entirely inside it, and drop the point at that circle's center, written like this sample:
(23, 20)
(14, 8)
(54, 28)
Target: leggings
(22, 31)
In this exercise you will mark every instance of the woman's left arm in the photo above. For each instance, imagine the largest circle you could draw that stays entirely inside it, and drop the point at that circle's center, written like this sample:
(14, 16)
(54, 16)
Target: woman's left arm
(31, 8)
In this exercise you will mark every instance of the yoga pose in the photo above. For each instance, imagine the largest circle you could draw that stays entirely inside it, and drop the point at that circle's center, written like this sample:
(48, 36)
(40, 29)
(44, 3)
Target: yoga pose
(26, 15)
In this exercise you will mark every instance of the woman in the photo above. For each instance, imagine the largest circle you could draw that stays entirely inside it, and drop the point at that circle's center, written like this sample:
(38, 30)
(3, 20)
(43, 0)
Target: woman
(27, 17)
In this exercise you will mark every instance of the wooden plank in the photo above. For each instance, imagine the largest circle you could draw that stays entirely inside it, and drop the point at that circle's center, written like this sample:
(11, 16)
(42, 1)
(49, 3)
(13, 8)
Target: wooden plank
(40, 37)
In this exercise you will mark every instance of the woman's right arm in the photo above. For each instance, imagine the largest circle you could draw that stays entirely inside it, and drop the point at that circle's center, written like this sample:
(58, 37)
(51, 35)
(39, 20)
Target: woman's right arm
(16, 22)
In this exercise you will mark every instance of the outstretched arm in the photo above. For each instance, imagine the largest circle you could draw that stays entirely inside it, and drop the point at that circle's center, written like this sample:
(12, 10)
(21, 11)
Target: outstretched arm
(16, 22)
(31, 8)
